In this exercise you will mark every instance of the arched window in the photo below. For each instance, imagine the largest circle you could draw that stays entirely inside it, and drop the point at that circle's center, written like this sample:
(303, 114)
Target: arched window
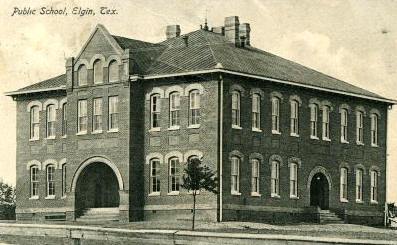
(34, 123)
(51, 118)
(174, 175)
(113, 71)
(155, 176)
(98, 72)
(374, 130)
(275, 115)
(255, 177)
(256, 112)
(194, 107)
(155, 109)
(64, 119)
(313, 121)
(235, 176)
(50, 180)
(326, 110)
(236, 101)
(359, 127)
(343, 184)
(294, 122)
(343, 126)
(64, 179)
(82, 75)
(374, 186)
(275, 179)
(34, 181)
(175, 104)
(359, 185)
(293, 180)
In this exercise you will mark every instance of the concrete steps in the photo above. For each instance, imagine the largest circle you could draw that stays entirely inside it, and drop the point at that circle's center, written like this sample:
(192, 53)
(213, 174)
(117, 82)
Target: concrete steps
(99, 214)
(328, 217)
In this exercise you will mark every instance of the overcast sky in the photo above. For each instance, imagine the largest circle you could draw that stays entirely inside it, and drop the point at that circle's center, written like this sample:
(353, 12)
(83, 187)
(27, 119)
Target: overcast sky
(355, 41)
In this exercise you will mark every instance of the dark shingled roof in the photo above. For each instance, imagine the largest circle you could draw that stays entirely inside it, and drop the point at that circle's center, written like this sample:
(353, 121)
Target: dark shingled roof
(206, 50)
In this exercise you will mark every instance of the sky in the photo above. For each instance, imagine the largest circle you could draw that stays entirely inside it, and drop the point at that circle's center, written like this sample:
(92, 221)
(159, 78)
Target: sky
(355, 41)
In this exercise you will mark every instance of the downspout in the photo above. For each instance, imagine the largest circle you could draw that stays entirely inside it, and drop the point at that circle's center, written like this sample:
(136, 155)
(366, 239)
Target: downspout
(220, 116)
(386, 165)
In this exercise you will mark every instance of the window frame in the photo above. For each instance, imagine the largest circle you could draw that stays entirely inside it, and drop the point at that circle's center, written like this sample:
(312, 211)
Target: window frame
(113, 113)
(235, 175)
(293, 180)
(155, 111)
(34, 124)
(154, 177)
(50, 121)
(97, 67)
(82, 116)
(64, 120)
(194, 108)
(236, 109)
(256, 112)
(113, 63)
(374, 130)
(276, 115)
(174, 110)
(360, 128)
(275, 179)
(344, 184)
(50, 181)
(294, 118)
(64, 186)
(80, 75)
(255, 177)
(344, 115)
(359, 185)
(34, 182)
(97, 115)
(374, 186)
(174, 178)
(326, 123)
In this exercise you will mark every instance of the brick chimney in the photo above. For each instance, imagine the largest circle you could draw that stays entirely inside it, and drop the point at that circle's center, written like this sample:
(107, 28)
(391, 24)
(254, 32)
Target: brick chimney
(244, 34)
(173, 31)
(232, 29)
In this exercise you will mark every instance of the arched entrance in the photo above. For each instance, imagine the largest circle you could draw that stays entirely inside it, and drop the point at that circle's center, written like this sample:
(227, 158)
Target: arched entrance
(319, 191)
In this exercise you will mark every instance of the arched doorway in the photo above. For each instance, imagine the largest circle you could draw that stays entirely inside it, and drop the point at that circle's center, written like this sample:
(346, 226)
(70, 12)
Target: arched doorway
(319, 191)
(97, 186)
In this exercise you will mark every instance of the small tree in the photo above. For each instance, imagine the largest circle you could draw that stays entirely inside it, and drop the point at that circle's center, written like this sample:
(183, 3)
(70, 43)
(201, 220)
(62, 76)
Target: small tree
(7, 201)
(198, 177)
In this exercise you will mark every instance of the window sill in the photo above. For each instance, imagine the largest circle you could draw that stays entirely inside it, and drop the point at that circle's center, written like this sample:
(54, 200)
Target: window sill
(374, 145)
(52, 197)
(359, 143)
(294, 197)
(113, 130)
(374, 202)
(64, 136)
(97, 132)
(82, 133)
(344, 141)
(174, 128)
(34, 198)
(236, 127)
(274, 195)
(173, 193)
(276, 132)
(50, 138)
(34, 139)
(255, 194)
(294, 135)
(314, 137)
(154, 194)
(256, 130)
(344, 200)
(194, 126)
(359, 201)
(155, 129)
(235, 193)
(327, 139)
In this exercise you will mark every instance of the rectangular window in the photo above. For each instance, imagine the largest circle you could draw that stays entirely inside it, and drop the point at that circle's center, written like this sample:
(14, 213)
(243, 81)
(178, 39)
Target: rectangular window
(374, 186)
(255, 177)
(50, 180)
(275, 115)
(343, 184)
(294, 126)
(359, 185)
(313, 120)
(51, 118)
(194, 107)
(113, 113)
(343, 126)
(275, 176)
(256, 112)
(155, 176)
(64, 119)
(155, 111)
(82, 116)
(34, 181)
(326, 123)
(174, 175)
(236, 109)
(235, 175)
(359, 127)
(175, 104)
(97, 115)
(374, 130)
(64, 180)
(34, 123)
(293, 180)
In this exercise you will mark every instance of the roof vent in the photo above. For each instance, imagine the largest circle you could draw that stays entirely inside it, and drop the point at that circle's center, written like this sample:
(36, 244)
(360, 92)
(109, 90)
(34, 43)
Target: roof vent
(186, 40)
(173, 31)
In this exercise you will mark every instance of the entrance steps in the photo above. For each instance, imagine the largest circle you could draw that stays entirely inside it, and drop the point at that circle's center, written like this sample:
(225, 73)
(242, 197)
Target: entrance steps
(99, 215)
(329, 217)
